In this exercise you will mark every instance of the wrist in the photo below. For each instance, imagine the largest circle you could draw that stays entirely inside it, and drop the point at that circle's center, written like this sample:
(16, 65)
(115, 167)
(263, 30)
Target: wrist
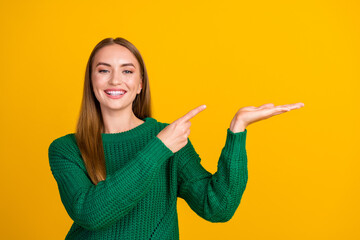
(237, 125)
(238, 128)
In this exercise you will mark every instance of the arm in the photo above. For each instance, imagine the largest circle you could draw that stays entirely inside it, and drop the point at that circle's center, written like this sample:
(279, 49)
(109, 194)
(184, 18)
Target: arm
(214, 197)
(98, 206)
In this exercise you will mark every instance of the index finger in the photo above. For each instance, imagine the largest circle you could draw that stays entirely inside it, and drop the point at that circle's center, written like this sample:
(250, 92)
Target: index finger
(192, 113)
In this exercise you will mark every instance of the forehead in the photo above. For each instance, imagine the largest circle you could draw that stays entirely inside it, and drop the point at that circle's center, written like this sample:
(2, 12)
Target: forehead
(115, 54)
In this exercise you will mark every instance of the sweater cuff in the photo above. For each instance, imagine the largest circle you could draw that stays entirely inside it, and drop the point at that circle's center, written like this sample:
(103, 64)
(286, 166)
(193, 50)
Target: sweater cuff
(235, 142)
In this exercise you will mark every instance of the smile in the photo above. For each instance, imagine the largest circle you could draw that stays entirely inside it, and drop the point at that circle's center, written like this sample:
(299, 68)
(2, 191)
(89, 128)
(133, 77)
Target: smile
(115, 94)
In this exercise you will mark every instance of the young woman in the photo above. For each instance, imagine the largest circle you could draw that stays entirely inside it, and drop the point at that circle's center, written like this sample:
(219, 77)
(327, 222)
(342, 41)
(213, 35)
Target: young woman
(120, 174)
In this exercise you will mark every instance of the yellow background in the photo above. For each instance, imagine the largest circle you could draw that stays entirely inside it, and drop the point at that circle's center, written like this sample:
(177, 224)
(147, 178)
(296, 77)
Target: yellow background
(303, 164)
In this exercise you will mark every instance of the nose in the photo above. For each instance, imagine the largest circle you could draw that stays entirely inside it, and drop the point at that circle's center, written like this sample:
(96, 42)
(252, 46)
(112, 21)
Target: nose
(116, 78)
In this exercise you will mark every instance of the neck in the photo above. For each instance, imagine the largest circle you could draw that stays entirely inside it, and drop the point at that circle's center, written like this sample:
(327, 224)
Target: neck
(119, 121)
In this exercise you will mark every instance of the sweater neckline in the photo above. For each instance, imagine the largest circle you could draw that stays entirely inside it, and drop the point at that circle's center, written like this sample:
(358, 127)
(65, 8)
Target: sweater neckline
(132, 133)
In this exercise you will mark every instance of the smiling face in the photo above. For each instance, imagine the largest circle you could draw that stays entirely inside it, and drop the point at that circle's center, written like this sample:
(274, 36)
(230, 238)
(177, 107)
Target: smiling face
(115, 70)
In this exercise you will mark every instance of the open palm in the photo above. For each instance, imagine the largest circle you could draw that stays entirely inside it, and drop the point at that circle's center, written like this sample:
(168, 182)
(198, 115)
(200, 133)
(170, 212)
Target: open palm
(251, 114)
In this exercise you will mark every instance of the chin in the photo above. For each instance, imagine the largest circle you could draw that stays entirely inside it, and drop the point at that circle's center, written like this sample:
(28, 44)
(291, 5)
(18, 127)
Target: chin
(116, 107)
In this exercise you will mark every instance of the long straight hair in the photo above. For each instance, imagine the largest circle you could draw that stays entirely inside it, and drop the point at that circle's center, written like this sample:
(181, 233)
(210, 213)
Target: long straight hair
(90, 124)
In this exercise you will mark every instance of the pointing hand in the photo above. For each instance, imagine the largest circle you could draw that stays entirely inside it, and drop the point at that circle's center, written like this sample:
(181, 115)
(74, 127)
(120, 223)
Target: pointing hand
(175, 135)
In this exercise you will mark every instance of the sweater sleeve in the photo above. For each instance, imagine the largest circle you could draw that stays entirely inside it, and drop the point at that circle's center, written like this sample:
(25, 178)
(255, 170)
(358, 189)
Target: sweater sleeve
(214, 197)
(99, 206)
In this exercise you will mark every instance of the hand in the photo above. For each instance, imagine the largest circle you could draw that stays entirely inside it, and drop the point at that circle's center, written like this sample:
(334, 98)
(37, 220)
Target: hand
(248, 115)
(175, 135)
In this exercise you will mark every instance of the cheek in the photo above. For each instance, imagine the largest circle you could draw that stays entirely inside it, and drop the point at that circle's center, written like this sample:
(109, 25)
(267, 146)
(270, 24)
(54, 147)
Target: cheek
(97, 88)
(135, 79)
(95, 85)
(99, 81)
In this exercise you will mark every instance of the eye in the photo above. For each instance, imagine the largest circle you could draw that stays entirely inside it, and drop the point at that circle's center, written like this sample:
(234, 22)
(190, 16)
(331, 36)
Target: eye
(102, 71)
(127, 71)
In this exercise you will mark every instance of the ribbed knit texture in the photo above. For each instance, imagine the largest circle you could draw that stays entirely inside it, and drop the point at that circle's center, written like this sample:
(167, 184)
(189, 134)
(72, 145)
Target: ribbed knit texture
(144, 178)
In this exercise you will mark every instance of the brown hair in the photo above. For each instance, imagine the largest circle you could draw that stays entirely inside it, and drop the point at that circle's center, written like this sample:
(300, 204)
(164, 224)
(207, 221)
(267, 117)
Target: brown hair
(90, 123)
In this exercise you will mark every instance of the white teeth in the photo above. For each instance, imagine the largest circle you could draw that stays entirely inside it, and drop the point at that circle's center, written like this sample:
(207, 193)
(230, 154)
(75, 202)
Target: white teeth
(115, 93)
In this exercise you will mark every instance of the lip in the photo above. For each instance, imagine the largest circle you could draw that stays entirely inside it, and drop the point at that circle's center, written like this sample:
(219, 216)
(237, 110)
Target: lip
(114, 89)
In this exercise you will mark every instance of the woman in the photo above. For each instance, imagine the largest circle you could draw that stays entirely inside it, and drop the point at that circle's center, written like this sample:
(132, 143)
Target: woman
(120, 175)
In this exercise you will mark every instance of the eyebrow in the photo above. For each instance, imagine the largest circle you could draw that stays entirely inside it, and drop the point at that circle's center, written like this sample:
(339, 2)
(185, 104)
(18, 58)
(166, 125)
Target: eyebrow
(122, 65)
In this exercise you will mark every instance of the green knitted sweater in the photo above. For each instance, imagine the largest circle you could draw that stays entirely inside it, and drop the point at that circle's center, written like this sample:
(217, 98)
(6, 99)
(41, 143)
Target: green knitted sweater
(138, 199)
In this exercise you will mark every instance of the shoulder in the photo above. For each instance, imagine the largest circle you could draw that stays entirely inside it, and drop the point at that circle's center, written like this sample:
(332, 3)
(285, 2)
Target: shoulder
(63, 152)
(64, 144)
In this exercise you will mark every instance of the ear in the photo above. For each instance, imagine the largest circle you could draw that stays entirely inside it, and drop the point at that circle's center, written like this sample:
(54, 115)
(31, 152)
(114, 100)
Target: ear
(140, 85)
